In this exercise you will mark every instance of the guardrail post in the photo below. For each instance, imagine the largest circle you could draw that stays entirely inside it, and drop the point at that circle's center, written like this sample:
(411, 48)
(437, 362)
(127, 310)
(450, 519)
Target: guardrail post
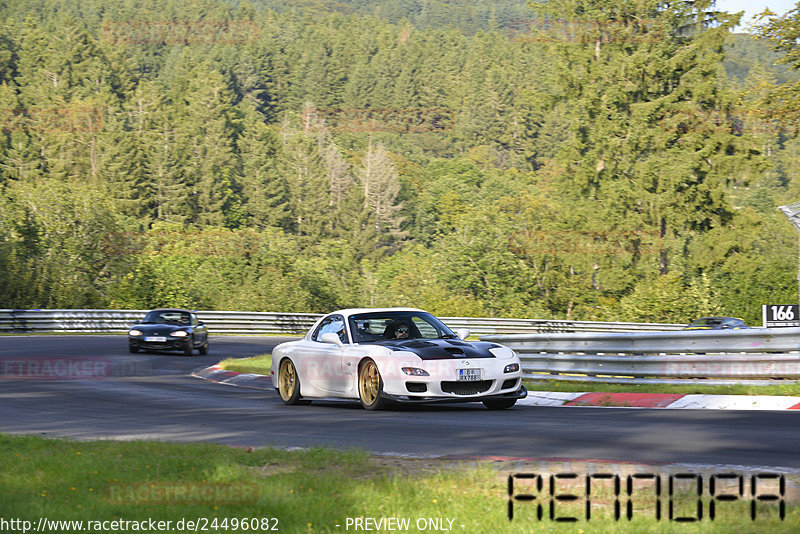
(18, 322)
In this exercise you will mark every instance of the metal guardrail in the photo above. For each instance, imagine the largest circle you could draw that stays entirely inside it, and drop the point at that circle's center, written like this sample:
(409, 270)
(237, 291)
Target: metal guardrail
(715, 357)
(239, 322)
(113, 321)
(487, 326)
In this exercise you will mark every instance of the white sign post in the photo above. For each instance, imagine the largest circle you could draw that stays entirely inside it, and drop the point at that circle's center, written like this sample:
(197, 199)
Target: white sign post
(780, 315)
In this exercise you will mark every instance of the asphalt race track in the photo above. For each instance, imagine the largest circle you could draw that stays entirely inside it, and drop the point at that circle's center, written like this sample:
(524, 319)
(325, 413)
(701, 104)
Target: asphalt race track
(117, 395)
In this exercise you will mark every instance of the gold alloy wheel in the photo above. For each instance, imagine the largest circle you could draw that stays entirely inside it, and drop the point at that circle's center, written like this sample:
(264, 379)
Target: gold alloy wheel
(287, 380)
(369, 385)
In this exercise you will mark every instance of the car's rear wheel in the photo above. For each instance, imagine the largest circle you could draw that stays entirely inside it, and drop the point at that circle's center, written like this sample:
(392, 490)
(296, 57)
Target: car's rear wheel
(370, 386)
(289, 384)
(499, 404)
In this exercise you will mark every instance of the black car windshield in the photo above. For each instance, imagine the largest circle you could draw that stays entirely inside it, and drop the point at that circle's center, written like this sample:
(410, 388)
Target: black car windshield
(167, 317)
(382, 326)
(707, 321)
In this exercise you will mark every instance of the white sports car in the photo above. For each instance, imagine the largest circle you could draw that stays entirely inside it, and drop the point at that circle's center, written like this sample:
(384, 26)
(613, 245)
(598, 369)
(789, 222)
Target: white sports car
(394, 354)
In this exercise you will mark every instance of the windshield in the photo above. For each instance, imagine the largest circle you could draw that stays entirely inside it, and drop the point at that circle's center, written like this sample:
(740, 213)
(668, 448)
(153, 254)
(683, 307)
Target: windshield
(708, 321)
(382, 326)
(167, 317)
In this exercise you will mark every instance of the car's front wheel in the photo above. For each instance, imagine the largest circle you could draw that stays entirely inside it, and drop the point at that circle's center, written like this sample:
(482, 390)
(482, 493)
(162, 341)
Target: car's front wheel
(370, 386)
(289, 383)
(132, 348)
(187, 350)
(204, 348)
(499, 404)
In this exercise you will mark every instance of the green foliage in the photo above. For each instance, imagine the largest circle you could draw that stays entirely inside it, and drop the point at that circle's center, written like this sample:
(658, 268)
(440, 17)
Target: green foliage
(744, 52)
(147, 483)
(667, 299)
(53, 236)
(474, 160)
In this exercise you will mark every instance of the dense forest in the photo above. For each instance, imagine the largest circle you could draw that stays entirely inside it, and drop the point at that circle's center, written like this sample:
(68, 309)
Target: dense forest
(581, 159)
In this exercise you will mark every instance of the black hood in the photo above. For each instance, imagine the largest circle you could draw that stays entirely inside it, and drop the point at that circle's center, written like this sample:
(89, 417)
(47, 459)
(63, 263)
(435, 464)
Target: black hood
(442, 349)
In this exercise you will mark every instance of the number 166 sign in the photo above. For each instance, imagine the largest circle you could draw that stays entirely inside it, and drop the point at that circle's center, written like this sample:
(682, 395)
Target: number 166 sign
(781, 315)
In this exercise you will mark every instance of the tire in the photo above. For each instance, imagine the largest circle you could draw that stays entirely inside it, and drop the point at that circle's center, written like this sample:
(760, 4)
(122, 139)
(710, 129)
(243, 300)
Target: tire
(187, 350)
(133, 349)
(370, 386)
(499, 404)
(289, 384)
(203, 348)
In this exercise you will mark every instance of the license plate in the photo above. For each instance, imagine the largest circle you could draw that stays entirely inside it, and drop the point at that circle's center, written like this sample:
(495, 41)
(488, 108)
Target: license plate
(469, 375)
(155, 339)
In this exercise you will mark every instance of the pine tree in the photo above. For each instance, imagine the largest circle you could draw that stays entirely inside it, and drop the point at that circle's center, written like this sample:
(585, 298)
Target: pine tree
(18, 158)
(380, 184)
(207, 134)
(301, 162)
(641, 83)
(782, 104)
(264, 189)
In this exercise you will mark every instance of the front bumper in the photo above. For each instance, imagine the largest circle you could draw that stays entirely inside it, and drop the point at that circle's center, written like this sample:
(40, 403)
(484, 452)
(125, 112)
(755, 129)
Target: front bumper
(520, 393)
(176, 344)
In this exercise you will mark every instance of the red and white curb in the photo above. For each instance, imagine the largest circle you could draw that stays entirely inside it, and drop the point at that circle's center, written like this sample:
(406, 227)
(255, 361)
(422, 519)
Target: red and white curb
(232, 378)
(662, 400)
(555, 398)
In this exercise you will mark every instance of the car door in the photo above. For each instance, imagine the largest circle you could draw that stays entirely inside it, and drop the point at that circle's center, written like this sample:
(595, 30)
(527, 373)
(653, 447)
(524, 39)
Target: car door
(322, 366)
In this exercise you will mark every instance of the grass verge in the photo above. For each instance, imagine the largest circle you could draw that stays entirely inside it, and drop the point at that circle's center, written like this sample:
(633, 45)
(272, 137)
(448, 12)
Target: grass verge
(257, 364)
(314, 490)
(792, 390)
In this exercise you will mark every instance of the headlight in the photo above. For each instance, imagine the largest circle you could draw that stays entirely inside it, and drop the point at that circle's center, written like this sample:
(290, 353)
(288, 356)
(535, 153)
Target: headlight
(415, 371)
(135, 333)
(178, 333)
(502, 353)
(511, 368)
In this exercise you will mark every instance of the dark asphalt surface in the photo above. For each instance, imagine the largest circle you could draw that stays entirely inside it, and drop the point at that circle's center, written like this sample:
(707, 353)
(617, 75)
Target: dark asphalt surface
(152, 396)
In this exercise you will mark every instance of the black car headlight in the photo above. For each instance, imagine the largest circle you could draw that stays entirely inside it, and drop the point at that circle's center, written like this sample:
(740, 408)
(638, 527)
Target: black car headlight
(511, 368)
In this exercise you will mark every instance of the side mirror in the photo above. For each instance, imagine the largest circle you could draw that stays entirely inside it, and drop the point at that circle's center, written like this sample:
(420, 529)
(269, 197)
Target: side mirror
(332, 338)
(462, 333)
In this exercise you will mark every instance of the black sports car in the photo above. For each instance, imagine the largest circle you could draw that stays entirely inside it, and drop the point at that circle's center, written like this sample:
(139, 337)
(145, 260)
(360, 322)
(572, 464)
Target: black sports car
(716, 323)
(169, 329)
